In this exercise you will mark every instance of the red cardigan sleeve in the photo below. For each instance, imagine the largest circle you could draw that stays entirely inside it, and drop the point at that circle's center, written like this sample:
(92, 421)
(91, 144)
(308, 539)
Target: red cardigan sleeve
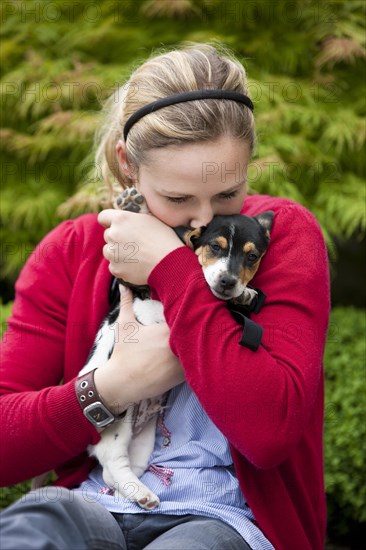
(42, 425)
(260, 400)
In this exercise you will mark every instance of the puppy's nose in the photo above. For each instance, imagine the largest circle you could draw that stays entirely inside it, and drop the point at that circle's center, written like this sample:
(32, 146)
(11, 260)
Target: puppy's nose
(227, 281)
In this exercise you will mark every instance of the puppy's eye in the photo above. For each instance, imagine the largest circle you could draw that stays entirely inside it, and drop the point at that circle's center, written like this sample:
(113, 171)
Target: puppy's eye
(215, 247)
(252, 257)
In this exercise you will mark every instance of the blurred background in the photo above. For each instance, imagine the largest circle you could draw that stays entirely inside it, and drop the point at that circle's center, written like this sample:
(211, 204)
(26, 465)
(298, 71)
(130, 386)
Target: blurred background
(305, 61)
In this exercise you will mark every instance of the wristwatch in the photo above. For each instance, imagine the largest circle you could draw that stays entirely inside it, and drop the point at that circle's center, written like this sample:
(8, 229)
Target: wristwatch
(92, 404)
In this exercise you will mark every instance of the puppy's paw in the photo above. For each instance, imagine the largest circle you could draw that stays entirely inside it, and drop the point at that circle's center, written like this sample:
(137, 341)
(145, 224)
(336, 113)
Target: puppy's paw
(130, 199)
(250, 294)
(137, 492)
(247, 297)
(149, 501)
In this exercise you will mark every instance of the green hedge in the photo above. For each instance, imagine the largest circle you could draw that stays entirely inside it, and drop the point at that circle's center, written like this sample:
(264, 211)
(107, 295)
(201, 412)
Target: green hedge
(345, 425)
(345, 420)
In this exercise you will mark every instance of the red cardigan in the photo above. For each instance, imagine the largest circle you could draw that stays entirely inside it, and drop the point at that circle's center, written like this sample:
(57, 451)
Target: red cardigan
(268, 403)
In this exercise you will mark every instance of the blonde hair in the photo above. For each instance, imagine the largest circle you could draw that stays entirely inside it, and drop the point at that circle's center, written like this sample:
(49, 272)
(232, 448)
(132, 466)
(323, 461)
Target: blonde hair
(193, 67)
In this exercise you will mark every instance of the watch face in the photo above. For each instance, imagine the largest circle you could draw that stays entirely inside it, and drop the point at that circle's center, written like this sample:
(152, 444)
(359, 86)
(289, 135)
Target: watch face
(98, 415)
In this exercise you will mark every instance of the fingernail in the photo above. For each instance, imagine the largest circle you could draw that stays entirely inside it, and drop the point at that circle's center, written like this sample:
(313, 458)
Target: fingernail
(122, 289)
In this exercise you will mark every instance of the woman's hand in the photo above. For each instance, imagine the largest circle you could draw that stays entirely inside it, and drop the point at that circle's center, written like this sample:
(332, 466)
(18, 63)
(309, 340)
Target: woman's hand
(135, 244)
(141, 365)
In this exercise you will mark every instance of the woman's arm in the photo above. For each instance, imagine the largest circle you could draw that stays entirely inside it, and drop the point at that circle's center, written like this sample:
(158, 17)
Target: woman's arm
(260, 400)
(42, 424)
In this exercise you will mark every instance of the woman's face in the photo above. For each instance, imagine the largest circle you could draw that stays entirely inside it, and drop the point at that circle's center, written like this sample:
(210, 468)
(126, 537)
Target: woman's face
(189, 184)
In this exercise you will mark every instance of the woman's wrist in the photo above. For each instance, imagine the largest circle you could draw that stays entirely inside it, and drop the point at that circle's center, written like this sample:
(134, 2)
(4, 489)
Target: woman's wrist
(106, 388)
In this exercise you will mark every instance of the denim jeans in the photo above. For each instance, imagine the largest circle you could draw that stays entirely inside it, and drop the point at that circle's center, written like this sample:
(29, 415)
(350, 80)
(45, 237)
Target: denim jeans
(55, 518)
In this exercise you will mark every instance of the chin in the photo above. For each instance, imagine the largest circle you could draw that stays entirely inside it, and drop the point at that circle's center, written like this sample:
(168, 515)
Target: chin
(220, 295)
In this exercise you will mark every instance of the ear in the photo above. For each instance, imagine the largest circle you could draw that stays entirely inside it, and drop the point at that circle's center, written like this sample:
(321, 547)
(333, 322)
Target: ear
(265, 219)
(189, 236)
(122, 159)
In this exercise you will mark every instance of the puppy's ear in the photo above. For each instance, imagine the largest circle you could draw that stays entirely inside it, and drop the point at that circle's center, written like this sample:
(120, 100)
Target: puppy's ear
(188, 235)
(265, 219)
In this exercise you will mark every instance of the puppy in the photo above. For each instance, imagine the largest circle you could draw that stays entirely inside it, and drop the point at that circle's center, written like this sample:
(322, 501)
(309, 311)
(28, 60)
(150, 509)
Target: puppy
(229, 250)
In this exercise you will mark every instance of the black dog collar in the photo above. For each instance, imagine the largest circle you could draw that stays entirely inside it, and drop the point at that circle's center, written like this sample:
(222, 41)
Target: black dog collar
(181, 98)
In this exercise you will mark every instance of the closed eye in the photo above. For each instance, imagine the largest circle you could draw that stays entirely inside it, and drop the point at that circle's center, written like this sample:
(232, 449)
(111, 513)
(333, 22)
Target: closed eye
(177, 200)
(221, 196)
(228, 196)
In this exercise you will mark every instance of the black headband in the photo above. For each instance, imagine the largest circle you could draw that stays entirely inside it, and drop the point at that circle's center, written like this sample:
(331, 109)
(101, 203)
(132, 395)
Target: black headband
(181, 98)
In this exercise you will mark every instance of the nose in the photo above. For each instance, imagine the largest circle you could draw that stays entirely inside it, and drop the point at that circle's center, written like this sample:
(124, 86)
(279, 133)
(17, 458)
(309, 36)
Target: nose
(227, 281)
(202, 217)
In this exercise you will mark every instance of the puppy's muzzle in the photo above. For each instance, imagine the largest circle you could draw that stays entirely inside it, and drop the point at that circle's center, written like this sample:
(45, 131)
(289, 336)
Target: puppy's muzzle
(227, 282)
(226, 286)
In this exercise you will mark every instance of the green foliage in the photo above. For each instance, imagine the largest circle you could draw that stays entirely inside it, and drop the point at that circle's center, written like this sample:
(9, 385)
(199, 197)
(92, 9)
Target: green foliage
(5, 311)
(8, 495)
(60, 60)
(345, 419)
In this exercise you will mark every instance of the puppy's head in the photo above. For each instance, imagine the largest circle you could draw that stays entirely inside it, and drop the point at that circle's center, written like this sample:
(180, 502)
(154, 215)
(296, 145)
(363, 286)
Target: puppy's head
(230, 249)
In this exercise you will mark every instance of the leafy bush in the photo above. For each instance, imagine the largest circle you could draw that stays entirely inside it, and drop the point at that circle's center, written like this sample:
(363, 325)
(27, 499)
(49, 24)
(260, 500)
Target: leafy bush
(345, 420)
(306, 86)
(5, 311)
(8, 495)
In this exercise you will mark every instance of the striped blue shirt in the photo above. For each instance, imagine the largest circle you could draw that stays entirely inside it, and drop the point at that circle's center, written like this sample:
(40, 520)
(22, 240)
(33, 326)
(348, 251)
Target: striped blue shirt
(191, 471)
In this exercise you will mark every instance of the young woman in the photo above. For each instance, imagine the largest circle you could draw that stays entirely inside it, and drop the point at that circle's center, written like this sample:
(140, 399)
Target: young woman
(237, 462)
